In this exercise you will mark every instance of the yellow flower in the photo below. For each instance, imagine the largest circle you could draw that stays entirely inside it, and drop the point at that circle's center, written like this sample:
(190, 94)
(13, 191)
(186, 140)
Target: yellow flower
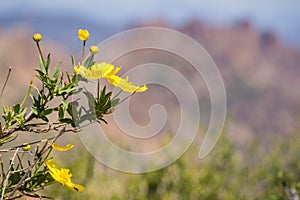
(37, 37)
(65, 148)
(94, 49)
(83, 34)
(106, 70)
(26, 147)
(62, 176)
(96, 71)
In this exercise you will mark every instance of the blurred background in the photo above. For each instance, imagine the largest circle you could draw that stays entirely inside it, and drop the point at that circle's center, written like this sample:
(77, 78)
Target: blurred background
(256, 47)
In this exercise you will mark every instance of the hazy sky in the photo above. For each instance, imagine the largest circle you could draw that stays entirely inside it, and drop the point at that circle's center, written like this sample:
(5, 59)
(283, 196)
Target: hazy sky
(282, 16)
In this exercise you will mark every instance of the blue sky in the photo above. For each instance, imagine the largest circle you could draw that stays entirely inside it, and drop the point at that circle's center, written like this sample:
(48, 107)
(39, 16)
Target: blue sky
(282, 16)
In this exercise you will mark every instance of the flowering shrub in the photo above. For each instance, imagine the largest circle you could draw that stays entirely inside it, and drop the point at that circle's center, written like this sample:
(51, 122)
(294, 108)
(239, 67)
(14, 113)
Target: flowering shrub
(53, 110)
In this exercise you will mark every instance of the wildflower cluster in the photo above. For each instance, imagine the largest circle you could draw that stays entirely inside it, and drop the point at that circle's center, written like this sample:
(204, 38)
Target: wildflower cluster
(54, 112)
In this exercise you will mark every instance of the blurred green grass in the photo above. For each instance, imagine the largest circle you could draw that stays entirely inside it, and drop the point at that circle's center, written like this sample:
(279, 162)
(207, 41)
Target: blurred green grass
(258, 171)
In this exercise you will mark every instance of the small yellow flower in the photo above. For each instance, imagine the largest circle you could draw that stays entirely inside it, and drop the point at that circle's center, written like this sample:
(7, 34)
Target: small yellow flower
(94, 49)
(62, 176)
(59, 148)
(31, 81)
(83, 34)
(26, 147)
(106, 70)
(96, 71)
(37, 37)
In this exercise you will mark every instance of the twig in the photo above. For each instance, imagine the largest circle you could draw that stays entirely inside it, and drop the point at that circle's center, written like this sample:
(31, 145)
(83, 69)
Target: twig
(35, 162)
(5, 83)
(2, 167)
(8, 173)
(23, 145)
(13, 158)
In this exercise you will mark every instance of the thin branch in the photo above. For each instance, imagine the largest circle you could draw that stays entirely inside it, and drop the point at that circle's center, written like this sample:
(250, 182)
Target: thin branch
(5, 83)
(8, 173)
(13, 158)
(2, 167)
(26, 128)
(62, 131)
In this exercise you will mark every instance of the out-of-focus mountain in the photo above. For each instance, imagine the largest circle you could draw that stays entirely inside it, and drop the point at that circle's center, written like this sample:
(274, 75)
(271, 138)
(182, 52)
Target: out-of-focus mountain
(260, 72)
(261, 75)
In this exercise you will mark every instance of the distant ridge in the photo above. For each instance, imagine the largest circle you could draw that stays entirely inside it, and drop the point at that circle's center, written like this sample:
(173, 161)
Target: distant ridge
(261, 73)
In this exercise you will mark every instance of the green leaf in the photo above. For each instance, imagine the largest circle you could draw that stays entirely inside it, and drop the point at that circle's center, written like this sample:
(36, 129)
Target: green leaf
(44, 118)
(48, 111)
(15, 177)
(34, 110)
(23, 111)
(47, 62)
(55, 72)
(61, 113)
(20, 121)
(16, 108)
(101, 119)
(41, 73)
(70, 110)
(73, 61)
(90, 98)
(88, 117)
(107, 106)
(102, 96)
(67, 89)
(89, 61)
(42, 66)
(115, 102)
(65, 104)
(7, 139)
(66, 120)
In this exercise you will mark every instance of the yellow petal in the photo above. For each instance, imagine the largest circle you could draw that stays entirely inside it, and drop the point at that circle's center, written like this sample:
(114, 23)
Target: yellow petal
(125, 85)
(83, 34)
(26, 147)
(50, 164)
(94, 49)
(142, 89)
(52, 167)
(37, 37)
(62, 176)
(76, 187)
(80, 70)
(59, 148)
(111, 72)
(96, 71)
(106, 70)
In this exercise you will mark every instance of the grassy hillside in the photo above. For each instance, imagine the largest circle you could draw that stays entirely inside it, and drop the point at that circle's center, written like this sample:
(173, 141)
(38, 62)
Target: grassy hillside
(259, 171)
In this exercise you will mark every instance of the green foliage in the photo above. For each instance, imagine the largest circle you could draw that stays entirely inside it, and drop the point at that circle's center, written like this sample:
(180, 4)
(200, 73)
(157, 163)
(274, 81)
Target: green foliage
(255, 172)
(14, 115)
(52, 109)
(100, 106)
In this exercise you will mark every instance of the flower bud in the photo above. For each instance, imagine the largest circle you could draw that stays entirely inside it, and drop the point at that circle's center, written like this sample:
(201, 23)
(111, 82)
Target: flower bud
(94, 49)
(26, 147)
(83, 34)
(37, 37)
